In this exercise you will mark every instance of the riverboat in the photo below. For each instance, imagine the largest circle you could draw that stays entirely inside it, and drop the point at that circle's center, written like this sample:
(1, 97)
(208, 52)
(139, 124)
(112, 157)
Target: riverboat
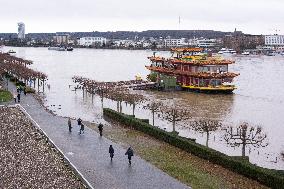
(189, 69)
(11, 51)
(61, 48)
(227, 51)
(245, 53)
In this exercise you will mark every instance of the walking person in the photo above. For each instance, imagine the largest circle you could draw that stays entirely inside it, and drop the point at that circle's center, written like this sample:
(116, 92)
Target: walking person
(19, 97)
(129, 153)
(100, 126)
(25, 90)
(82, 128)
(111, 152)
(15, 97)
(69, 125)
(79, 121)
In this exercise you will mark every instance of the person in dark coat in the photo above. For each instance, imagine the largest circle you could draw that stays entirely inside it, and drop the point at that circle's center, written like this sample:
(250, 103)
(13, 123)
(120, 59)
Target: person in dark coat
(79, 121)
(25, 91)
(111, 152)
(129, 153)
(69, 125)
(15, 97)
(100, 126)
(82, 128)
(19, 97)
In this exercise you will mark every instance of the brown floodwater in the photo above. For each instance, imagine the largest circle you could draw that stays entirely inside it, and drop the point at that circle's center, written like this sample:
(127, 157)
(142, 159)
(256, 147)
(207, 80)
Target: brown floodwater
(259, 98)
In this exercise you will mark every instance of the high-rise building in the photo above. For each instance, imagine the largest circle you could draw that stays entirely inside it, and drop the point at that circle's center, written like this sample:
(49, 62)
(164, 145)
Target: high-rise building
(21, 30)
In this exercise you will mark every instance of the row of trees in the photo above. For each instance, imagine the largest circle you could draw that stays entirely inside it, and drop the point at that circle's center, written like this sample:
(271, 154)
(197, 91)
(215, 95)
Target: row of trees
(244, 135)
(17, 67)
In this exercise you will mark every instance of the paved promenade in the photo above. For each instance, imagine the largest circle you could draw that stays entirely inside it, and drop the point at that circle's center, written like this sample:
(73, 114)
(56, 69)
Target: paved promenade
(89, 153)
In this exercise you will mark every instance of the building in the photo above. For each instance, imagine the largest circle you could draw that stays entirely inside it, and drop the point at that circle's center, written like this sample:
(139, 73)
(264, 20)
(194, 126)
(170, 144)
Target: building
(174, 42)
(61, 39)
(21, 30)
(92, 41)
(274, 40)
(240, 41)
(206, 43)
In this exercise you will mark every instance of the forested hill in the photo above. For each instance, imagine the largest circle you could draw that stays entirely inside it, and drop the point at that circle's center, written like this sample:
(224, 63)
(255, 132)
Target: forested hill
(128, 34)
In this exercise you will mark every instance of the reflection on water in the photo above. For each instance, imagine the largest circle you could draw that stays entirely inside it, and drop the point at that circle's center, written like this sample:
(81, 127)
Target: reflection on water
(258, 99)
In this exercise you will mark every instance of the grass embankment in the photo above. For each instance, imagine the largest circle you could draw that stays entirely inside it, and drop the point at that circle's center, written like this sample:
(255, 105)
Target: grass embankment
(5, 96)
(189, 169)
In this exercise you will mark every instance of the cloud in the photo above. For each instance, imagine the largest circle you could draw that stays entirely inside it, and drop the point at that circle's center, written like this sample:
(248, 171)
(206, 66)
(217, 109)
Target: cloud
(86, 15)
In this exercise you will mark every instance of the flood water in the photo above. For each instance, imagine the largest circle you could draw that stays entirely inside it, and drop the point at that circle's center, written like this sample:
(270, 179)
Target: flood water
(258, 100)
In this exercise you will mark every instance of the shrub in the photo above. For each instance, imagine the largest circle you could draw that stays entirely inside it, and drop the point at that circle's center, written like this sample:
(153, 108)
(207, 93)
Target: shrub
(5, 96)
(30, 90)
(20, 83)
(267, 177)
(13, 79)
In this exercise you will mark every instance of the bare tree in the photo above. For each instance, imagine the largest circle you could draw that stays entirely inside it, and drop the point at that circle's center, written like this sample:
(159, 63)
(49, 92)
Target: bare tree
(282, 154)
(245, 135)
(133, 99)
(175, 114)
(154, 107)
(206, 126)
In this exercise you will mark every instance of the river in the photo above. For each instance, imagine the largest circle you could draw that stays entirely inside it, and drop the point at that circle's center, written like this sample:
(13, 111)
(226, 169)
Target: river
(258, 100)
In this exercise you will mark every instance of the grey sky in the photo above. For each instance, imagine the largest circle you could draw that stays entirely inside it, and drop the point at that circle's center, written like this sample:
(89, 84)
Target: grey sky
(250, 16)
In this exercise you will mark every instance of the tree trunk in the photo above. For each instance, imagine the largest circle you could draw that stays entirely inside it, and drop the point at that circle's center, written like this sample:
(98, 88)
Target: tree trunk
(120, 107)
(102, 100)
(133, 109)
(153, 114)
(43, 86)
(38, 85)
(243, 149)
(207, 138)
(117, 106)
(174, 125)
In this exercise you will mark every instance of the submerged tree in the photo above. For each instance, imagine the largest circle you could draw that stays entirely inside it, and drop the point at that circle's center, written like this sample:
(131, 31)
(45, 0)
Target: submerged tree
(206, 126)
(175, 114)
(245, 135)
(154, 107)
(133, 99)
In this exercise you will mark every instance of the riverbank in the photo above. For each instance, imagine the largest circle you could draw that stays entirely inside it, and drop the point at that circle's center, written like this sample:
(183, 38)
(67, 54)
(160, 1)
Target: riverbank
(27, 160)
(88, 152)
(187, 168)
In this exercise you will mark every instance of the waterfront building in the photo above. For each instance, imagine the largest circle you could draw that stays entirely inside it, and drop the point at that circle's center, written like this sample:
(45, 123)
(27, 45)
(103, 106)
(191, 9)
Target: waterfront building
(21, 30)
(92, 41)
(174, 42)
(124, 43)
(61, 39)
(274, 40)
(206, 43)
(240, 41)
(190, 69)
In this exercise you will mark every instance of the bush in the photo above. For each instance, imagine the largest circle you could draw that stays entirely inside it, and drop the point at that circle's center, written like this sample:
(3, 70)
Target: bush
(152, 77)
(267, 177)
(13, 79)
(20, 83)
(5, 96)
(30, 90)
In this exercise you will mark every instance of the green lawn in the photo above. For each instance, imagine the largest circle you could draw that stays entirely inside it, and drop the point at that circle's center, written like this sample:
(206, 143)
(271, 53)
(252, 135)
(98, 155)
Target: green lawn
(5, 96)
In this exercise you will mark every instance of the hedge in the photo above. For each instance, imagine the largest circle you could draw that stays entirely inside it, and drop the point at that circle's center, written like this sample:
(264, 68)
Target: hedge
(267, 177)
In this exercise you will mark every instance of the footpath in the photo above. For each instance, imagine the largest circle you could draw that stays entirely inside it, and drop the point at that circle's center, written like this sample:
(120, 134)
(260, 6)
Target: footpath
(88, 152)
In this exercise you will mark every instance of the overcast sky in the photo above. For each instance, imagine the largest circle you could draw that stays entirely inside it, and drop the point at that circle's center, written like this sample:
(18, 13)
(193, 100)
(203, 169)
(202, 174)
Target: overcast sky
(249, 16)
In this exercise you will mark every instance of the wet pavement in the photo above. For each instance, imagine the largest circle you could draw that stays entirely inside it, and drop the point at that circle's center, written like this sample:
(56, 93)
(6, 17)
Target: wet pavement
(89, 153)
